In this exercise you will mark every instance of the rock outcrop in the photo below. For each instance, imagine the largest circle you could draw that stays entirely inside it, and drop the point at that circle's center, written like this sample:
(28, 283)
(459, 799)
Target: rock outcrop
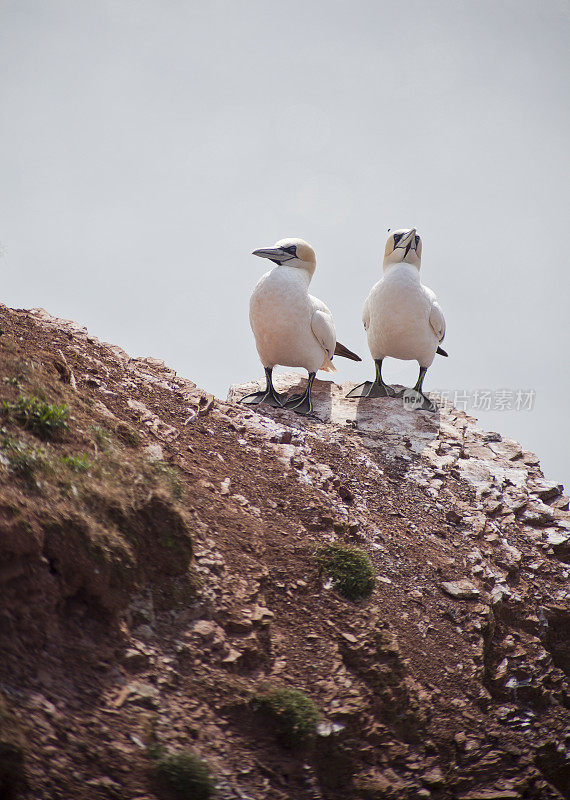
(158, 570)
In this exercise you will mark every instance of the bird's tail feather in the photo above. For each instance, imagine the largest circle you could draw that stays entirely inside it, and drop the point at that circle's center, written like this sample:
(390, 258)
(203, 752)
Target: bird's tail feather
(341, 350)
(441, 351)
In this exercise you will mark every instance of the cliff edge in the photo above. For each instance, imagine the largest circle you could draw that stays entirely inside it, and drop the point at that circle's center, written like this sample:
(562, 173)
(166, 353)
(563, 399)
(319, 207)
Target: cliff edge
(172, 581)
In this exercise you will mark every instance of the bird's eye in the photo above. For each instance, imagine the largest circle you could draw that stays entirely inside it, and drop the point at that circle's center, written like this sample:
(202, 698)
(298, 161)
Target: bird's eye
(292, 249)
(417, 240)
(397, 237)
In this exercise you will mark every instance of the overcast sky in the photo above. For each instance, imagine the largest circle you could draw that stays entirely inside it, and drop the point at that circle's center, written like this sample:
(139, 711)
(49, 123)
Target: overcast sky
(148, 146)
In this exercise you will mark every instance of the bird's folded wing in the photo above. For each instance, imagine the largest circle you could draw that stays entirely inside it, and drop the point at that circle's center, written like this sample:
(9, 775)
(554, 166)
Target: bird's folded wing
(437, 320)
(322, 325)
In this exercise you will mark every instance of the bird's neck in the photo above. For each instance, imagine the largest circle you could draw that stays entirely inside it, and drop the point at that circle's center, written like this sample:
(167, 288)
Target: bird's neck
(401, 268)
(294, 275)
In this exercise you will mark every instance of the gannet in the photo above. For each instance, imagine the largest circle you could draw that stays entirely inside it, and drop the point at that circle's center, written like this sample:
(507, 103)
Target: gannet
(402, 318)
(291, 327)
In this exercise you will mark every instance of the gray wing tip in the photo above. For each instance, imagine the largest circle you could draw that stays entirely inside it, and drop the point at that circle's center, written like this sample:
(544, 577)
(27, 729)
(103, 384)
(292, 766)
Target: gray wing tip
(341, 350)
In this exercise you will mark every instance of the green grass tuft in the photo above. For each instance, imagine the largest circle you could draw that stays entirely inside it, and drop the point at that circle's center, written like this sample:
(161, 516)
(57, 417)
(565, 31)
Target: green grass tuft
(293, 714)
(168, 475)
(350, 569)
(187, 776)
(13, 381)
(44, 419)
(77, 463)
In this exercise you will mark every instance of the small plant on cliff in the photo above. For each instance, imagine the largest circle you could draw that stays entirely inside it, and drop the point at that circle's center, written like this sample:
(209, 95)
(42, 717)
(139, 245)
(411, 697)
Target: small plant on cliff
(13, 381)
(77, 463)
(44, 419)
(102, 436)
(293, 714)
(168, 475)
(186, 776)
(24, 461)
(350, 569)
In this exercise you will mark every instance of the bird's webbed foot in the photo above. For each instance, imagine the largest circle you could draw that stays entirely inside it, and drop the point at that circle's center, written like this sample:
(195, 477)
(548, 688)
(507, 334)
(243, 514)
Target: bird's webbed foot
(269, 397)
(372, 389)
(417, 401)
(300, 404)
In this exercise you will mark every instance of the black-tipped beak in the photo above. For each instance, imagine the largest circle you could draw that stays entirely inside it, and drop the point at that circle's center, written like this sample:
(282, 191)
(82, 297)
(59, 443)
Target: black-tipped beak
(409, 241)
(275, 254)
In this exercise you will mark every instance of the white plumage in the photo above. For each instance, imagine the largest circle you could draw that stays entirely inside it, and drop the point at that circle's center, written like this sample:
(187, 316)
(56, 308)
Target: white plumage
(402, 317)
(291, 327)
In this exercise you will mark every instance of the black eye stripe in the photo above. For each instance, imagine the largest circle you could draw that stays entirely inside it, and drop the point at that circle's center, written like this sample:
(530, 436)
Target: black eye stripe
(292, 249)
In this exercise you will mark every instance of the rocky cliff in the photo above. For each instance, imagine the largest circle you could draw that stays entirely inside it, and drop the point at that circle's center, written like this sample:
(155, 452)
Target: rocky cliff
(171, 582)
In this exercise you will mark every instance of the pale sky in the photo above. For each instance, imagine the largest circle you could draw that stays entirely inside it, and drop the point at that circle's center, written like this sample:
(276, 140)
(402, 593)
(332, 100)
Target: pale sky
(148, 146)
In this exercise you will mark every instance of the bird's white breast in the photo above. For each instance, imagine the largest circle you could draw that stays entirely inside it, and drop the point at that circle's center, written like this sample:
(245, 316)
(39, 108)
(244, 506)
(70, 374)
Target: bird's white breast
(399, 308)
(280, 312)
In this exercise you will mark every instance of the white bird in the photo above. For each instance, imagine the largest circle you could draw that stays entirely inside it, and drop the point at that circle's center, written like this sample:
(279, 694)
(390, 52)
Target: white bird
(291, 327)
(402, 317)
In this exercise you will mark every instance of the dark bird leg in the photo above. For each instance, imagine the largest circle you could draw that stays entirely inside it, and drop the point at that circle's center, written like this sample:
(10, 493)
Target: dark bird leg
(420, 381)
(415, 398)
(375, 388)
(302, 403)
(269, 396)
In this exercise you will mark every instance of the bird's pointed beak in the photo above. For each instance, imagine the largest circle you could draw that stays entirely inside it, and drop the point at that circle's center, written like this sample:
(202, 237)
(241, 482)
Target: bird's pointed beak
(275, 254)
(409, 241)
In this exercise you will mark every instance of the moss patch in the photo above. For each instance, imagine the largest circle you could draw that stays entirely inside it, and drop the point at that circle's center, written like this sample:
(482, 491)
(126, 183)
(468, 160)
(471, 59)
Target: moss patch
(350, 569)
(186, 775)
(293, 715)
